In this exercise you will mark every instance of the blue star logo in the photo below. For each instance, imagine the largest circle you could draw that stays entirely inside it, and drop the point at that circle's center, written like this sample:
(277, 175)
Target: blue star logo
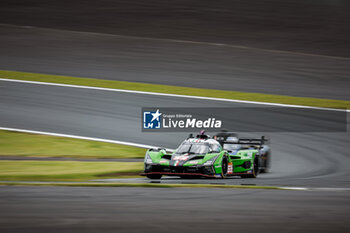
(152, 120)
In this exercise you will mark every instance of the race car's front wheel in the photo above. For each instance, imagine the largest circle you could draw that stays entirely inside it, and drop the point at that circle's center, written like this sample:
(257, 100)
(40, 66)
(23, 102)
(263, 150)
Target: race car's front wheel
(224, 167)
(154, 176)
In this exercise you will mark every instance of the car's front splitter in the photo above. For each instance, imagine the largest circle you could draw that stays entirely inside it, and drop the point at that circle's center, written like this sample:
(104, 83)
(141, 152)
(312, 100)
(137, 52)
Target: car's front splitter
(177, 174)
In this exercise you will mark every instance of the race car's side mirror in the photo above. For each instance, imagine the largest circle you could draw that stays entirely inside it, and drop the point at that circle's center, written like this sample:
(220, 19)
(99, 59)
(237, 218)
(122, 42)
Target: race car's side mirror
(161, 150)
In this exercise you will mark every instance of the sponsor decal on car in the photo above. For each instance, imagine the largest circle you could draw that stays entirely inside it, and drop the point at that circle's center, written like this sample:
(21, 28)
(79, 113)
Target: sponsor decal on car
(230, 168)
(193, 162)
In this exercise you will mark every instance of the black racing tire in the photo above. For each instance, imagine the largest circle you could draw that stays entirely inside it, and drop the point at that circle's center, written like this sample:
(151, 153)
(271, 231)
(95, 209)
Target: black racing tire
(255, 170)
(224, 167)
(265, 169)
(154, 176)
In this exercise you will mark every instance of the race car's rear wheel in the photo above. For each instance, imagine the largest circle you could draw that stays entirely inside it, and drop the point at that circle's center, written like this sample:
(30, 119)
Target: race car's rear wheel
(154, 176)
(266, 164)
(255, 170)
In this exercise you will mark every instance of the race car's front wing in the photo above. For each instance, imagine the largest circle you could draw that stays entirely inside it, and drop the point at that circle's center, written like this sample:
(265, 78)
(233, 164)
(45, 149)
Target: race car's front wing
(199, 170)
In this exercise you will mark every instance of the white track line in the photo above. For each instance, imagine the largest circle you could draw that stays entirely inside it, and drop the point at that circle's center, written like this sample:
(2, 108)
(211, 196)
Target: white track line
(295, 188)
(78, 137)
(314, 189)
(171, 95)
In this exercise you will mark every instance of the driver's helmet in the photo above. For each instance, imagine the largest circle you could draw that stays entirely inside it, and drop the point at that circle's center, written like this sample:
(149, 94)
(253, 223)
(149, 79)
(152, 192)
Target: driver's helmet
(202, 135)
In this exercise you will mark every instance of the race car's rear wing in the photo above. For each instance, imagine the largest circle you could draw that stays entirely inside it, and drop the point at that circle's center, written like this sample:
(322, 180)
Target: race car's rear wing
(224, 138)
(251, 141)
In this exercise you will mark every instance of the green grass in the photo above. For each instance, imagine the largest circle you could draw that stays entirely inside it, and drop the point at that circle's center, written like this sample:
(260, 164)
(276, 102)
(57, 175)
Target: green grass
(316, 102)
(34, 145)
(65, 170)
(146, 185)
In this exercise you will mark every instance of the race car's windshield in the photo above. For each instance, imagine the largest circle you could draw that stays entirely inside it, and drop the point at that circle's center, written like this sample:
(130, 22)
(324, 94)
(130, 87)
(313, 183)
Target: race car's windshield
(232, 146)
(193, 148)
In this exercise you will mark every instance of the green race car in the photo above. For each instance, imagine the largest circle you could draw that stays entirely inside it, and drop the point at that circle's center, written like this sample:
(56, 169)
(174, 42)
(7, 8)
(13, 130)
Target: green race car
(250, 156)
(199, 156)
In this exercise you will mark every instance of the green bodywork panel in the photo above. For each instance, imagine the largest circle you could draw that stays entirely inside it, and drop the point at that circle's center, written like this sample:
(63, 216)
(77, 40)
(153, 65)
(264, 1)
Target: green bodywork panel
(242, 158)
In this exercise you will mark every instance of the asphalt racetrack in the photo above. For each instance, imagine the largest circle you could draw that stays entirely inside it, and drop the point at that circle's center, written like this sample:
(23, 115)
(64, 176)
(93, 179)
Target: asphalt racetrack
(298, 159)
(296, 48)
(77, 209)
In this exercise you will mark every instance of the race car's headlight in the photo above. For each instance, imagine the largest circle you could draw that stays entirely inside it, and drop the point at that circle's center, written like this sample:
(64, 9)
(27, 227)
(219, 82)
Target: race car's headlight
(209, 162)
(148, 159)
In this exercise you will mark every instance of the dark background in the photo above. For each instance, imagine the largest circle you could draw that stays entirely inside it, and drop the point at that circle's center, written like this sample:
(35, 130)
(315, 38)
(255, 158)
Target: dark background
(289, 47)
(309, 26)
